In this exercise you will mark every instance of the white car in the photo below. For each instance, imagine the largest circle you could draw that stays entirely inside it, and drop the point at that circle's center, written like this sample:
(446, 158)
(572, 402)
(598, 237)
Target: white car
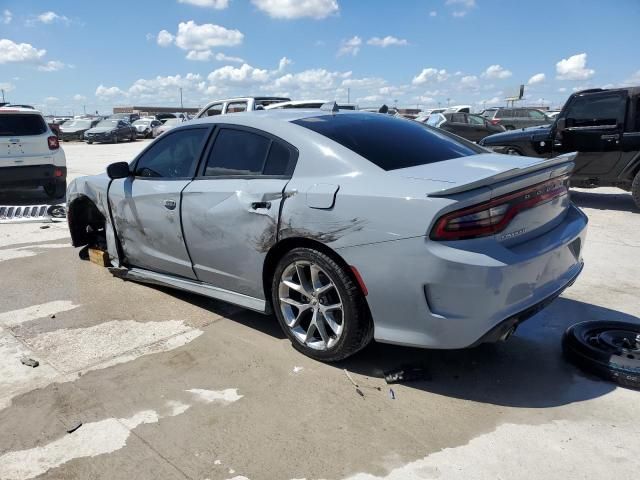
(307, 104)
(30, 154)
(147, 128)
(235, 105)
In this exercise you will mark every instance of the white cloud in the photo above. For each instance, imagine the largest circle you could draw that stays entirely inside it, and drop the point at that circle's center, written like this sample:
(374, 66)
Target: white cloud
(537, 78)
(50, 100)
(562, 89)
(245, 75)
(11, 52)
(165, 38)
(109, 92)
(291, 9)
(461, 7)
(52, 66)
(284, 63)
(49, 18)
(199, 55)
(7, 16)
(221, 57)
(192, 36)
(7, 87)
(574, 68)
(215, 4)
(312, 83)
(166, 88)
(496, 71)
(433, 13)
(493, 101)
(429, 75)
(469, 81)
(350, 46)
(79, 98)
(387, 41)
(633, 80)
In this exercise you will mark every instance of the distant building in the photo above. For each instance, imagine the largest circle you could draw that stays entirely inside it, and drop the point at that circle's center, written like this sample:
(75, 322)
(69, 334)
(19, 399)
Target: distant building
(143, 111)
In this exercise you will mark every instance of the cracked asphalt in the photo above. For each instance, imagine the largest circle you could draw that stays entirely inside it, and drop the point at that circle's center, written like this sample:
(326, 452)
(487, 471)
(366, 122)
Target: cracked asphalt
(172, 385)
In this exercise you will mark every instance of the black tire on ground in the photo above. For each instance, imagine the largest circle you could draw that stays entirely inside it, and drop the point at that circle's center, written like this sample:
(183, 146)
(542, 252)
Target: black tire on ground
(635, 190)
(90, 143)
(610, 350)
(57, 189)
(357, 326)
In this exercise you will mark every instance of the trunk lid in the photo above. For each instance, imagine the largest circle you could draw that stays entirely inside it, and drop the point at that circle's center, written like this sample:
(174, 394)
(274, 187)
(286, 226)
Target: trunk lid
(503, 176)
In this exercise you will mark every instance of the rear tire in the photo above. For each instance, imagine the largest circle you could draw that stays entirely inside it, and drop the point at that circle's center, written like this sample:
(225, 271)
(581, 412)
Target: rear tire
(635, 190)
(339, 332)
(56, 190)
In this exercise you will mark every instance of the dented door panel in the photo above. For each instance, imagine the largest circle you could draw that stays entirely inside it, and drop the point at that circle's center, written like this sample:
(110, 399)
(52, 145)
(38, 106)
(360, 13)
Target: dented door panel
(147, 218)
(229, 226)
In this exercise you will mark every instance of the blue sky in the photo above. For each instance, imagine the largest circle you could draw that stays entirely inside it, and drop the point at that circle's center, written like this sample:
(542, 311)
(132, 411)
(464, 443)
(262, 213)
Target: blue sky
(67, 54)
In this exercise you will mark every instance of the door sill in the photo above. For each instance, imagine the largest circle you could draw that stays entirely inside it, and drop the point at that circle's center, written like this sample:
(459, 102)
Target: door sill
(193, 286)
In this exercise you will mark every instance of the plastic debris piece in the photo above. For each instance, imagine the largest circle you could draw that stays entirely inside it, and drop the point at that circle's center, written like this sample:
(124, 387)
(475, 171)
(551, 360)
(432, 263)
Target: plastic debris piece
(43, 227)
(29, 362)
(360, 392)
(350, 378)
(407, 373)
(74, 427)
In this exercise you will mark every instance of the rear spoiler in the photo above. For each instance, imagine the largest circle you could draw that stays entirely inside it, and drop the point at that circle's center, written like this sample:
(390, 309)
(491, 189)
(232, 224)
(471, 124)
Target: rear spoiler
(513, 173)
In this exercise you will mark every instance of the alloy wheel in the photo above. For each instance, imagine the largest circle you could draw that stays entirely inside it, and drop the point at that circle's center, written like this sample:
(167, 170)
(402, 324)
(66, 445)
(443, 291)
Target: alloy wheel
(311, 305)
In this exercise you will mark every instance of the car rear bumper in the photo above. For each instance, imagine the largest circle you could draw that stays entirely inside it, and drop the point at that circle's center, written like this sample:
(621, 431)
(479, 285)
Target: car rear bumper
(453, 295)
(33, 175)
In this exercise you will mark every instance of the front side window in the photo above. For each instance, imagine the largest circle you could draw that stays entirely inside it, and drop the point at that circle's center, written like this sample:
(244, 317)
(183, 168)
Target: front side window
(388, 142)
(173, 156)
(214, 110)
(475, 120)
(596, 110)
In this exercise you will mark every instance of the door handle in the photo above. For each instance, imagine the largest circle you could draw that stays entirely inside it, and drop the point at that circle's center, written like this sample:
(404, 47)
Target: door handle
(263, 205)
(170, 204)
(610, 137)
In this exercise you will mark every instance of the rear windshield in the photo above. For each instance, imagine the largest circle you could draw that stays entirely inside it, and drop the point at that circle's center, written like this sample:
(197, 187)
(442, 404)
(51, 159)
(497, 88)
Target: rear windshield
(388, 142)
(21, 124)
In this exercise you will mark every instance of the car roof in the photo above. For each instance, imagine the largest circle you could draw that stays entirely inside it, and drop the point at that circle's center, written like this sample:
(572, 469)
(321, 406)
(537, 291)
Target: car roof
(283, 115)
(10, 109)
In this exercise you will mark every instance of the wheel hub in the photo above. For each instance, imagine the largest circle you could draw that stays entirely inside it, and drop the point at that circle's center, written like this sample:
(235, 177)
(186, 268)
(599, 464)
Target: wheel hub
(311, 305)
(620, 341)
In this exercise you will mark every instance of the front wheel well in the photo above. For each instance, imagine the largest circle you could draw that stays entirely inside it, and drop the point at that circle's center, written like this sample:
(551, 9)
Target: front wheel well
(282, 247)
(86, 223)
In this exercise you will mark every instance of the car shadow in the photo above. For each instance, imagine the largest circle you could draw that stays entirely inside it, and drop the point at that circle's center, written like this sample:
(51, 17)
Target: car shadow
(527, 371)
(622, 202)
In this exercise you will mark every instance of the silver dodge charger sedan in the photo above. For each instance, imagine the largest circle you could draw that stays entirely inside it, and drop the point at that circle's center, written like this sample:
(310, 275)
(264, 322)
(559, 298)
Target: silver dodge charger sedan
(349, 226)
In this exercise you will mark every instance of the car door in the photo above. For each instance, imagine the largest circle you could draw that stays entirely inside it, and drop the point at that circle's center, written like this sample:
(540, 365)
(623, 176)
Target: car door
(146, 206)
(230, 212)
(592, 125)
(457, 124)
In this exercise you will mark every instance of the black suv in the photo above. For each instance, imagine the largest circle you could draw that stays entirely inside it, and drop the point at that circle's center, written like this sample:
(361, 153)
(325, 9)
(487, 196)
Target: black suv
(603, 126)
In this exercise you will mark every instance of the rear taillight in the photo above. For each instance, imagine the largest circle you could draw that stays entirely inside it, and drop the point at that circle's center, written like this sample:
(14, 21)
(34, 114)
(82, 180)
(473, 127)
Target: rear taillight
(53, 142)
(493, 216)
(495, 121)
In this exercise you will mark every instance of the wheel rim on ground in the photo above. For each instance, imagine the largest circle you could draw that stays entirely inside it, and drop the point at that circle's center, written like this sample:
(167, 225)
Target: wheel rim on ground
(624, 343)
(311, 305)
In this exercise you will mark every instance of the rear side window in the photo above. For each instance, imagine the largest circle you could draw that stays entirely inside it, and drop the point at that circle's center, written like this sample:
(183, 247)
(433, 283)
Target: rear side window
(458, 118)
(214, 110)
(388, 142)
(505, 113)
(21, 125)
(236, 107)
(596, 110)
(489, 113)
(243, 153)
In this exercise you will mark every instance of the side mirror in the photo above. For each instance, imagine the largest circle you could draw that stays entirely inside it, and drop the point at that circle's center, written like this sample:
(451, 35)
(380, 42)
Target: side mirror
(118, 170)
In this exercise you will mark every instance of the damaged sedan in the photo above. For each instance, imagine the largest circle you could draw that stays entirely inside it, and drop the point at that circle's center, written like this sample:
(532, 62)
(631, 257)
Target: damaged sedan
(348, 226)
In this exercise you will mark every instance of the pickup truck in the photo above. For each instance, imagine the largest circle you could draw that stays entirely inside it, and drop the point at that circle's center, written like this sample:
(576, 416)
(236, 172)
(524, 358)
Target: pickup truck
(235, 105)
(603, 126)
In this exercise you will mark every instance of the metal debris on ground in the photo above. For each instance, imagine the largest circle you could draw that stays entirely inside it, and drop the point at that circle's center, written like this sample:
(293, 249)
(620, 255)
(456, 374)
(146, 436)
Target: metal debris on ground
(43, 227)
(353, 382)
(407, 373)
(29, 362)
(392, 394)
(74, 427)
(53, 315)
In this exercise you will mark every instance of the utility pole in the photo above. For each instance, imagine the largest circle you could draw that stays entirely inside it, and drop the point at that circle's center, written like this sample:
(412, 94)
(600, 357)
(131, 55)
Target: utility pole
(448, 101)
(84, 109)
(181, 106)
(3, 95)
